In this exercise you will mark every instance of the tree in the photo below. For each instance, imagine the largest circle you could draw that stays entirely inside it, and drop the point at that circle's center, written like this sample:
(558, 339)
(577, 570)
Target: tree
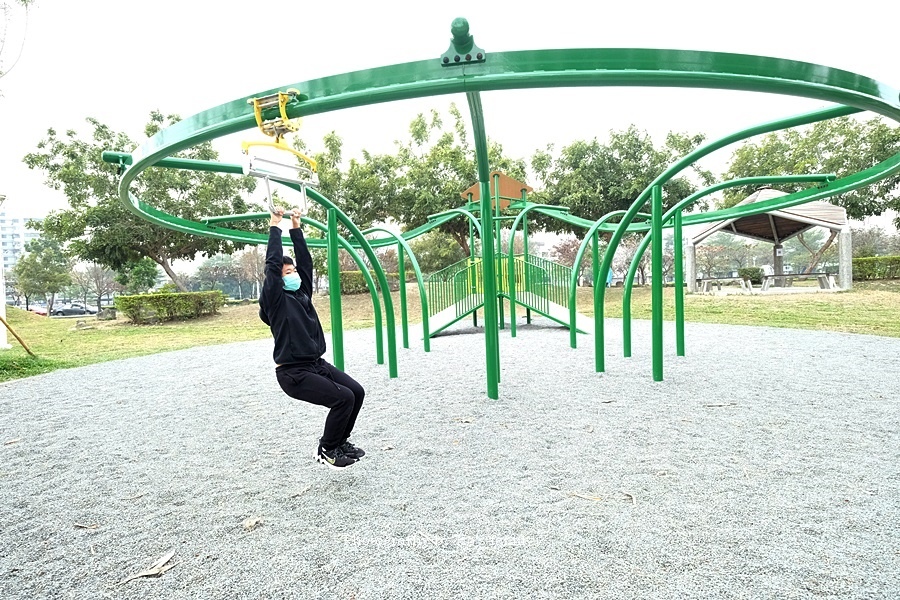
(13, 289)
(96, 280)
(216, 271)
(387, 258)
(624, 256)
(871, 241)
(7, 11)
(565, 251)
(435, 251)
(711, 259)
(101, 281)
(253, 269)
(815, 247)
(43, 270)
(842, 146)
(80, 285)
(98, 228)
(424, 177)
(594, 179)
(139, 276)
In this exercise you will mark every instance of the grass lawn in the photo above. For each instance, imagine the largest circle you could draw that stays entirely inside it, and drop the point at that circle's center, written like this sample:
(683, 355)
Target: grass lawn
(871, 308)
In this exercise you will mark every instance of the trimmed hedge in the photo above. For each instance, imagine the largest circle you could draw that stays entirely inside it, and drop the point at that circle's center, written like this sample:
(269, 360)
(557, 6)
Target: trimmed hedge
(751, 274)
(876, 267)
(353, 282)
(147, 308)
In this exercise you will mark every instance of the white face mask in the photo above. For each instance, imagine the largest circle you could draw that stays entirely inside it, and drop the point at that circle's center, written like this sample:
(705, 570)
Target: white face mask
(292, 282)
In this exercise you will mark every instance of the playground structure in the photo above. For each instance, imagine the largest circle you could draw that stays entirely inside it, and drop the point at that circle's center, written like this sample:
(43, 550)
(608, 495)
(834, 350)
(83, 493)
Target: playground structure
(489, 280)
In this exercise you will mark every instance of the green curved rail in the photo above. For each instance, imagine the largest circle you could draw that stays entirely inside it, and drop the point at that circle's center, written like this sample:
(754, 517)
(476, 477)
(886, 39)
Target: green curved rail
(579, 256)
(534, 69)
(516, 70)
(674, 169)
(419, 280)
(345, 244)
(684, 203)
(510, 267)
(459, 211)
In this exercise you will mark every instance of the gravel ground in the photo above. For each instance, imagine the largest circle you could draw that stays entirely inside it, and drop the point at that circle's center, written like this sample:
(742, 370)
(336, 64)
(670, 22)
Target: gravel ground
(764, 466)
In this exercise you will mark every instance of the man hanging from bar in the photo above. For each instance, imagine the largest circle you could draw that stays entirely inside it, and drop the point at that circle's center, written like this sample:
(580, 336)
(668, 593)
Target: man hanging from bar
(286, 307)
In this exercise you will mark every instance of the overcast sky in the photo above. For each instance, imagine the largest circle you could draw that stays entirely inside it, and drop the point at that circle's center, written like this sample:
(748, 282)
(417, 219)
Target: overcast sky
(117, 61)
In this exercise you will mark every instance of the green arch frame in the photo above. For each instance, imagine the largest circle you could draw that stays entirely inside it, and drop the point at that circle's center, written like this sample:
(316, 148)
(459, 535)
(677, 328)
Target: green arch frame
(536, 69)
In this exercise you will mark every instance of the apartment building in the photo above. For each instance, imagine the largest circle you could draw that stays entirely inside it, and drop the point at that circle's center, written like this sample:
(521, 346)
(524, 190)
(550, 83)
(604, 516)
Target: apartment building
(14, 235)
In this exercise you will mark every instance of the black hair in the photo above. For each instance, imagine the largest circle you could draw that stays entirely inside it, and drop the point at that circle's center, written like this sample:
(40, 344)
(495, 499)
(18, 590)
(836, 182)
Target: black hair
(287, 260)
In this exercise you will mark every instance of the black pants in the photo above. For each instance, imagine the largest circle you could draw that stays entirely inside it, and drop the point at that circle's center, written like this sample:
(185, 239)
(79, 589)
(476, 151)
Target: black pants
(322, 383)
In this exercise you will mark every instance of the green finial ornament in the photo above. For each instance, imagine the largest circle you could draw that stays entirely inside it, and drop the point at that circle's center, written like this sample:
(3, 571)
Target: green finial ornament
(462, 49)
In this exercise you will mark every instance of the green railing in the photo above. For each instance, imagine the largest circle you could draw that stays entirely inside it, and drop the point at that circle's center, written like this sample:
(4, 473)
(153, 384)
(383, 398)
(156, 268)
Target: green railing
(444, 289)
(462, 283)
(547, 279)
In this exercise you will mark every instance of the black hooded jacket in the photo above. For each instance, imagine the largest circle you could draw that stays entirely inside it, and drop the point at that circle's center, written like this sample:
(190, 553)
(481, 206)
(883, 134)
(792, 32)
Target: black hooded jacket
(290, 315)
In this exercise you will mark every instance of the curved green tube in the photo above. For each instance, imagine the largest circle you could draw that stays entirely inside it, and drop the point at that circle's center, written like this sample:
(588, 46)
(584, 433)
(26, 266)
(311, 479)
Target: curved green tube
(459, 211)
(537, 69)
(681, 205)
(379, 341)
(573, 282)
(669, 173)
(510, 267)
(419, 279)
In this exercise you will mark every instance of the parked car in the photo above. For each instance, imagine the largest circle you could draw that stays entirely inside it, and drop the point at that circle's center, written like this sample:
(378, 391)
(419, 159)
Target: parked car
(73, 309)
(38, 310)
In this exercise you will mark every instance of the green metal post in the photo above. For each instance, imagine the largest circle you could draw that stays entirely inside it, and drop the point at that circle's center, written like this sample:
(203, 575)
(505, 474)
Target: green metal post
(679, 288)
(499, 239)
(401, 268)
(656, 290)
(334, 292)
(370, 283)
(511, 283)
(472, 260)
(491, 331)
(525, 257)
(669, 215)
(595, 258)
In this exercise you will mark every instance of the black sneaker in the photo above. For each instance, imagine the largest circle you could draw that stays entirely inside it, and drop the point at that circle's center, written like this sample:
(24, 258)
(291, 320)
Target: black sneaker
(335, 459)
(352, 451)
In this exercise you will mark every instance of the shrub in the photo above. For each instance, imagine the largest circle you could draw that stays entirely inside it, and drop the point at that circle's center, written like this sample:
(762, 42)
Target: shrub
(353, 282)
(751, 274)
(166, 307)
(876, 267)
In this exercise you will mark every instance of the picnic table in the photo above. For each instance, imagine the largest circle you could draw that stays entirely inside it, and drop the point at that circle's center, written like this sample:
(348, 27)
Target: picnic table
(826, 280)
(706, 284)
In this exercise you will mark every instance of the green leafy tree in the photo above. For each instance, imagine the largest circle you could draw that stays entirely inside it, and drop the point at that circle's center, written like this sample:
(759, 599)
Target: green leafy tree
(436, 165)
(425, 176)
(44, 270)
(594, 179)
(435, 251)
(139, 276)
(842, 146)
(217, 271)
(98, 228)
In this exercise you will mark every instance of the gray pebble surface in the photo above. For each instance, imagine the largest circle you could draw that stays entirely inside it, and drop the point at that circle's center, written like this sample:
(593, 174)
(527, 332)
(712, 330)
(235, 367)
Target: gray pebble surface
(765, 465)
